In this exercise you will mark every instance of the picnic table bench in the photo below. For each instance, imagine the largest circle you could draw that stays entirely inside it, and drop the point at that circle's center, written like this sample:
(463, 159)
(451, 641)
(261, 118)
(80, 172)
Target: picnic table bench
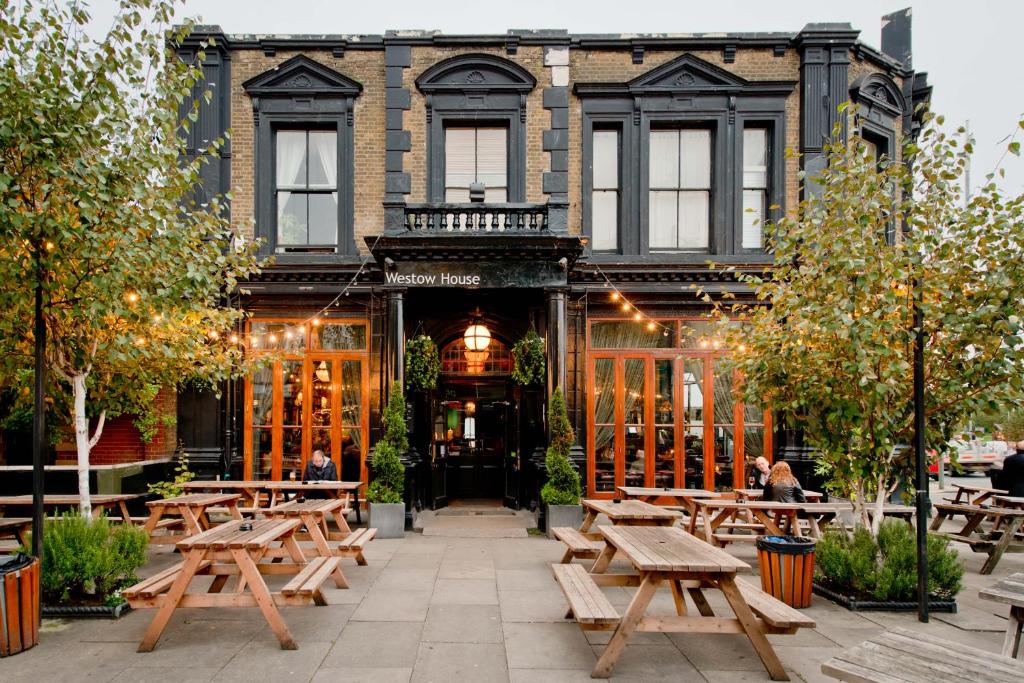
(769, 517)
(582, 543)
(1012, 502)
(1001, 538)
(187, 513)
(668, 556)
(16, 529)
(100, 503)
(315, 514)
(1011, 592)
(902, 656)
(233, 550)
(758, 494)
(974, 495)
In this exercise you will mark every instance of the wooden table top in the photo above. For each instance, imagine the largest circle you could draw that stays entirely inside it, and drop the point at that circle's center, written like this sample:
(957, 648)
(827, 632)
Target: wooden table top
(758, 493)
(672, 493)
(1012, 501)
(70, 499)
(14, 522)
(662, 548)
(324, 505)
(1009, 590)
(197, 499)
(770, 505)
(229, 535)
(224, 484)
(979, 489)
(629, 509)
(313, 485)
(968, 509)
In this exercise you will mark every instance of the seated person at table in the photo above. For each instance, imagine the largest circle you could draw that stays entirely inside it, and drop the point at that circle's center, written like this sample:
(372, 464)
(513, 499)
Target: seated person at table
(761, 471)
(1011, 478)
(782, 486)
(319, 468)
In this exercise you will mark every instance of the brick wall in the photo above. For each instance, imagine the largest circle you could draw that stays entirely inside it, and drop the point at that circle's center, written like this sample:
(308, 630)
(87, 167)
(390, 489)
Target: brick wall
(121, 441)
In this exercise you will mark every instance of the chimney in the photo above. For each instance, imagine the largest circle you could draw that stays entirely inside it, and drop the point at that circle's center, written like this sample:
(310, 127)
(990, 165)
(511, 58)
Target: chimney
(896, 37)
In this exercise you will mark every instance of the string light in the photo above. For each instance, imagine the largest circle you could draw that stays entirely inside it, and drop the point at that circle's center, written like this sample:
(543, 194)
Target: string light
(234, 339)
(132, 297)
(214, 334)
(615, 295)
(50, 246)
(626, 306)
(140, 341)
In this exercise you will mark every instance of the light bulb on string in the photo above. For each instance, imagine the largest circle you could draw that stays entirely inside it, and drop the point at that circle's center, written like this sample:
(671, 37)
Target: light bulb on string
(625, 306)
(234, 339)
(651, 326)
(271, 338)
(132, 297)
(637, 316)
(615, 296)
(214, 334)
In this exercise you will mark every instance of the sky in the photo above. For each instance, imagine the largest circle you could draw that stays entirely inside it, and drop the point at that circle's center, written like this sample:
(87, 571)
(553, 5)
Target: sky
(969, 49)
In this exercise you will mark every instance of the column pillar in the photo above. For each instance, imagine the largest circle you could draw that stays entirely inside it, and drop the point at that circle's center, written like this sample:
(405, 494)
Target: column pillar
(556, 341)
(396, 339)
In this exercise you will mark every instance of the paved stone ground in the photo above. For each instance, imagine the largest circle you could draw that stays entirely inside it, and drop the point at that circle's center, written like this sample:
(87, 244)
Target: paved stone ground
(460, 609)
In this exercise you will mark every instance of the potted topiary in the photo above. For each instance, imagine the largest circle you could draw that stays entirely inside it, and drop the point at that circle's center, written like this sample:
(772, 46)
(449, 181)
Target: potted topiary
(561, 493)
(387, 510)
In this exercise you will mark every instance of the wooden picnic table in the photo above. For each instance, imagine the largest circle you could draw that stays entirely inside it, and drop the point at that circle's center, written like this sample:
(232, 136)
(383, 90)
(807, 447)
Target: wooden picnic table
(1001, 538)
(964, 493)
(1011, 592)
(627, 512)
(900, 655)
(232, 550)
(314, 514)
(668, 556)
(100, 503)
(773, 517)
(188, 511)
(17, 528)
(251, 490)
(758, 494)
(344, 490)
(1012, 502)
(681, 497)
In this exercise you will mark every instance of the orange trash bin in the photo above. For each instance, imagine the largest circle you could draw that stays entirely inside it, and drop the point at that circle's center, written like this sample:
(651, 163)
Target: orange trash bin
(19, 603)
(787, 568)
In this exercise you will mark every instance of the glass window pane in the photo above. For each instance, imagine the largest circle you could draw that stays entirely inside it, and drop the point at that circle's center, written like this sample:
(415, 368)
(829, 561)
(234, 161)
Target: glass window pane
(351, 393)
(262, 454)
(693, 469)
(663, 220)
(292, 395)
(268, 336)
(724, 398)
(606, 160)
(694, 214)
(291, 158)
(323, 159)
(604, 391)
(605, 220)
(696, 159)
(323, 218)
(697, 333)
(291, 218)
(341, 336)
(604, 458)
(664, 413)
(323, 372)
(492, 157)
(628, 334)
(755, 158)
(664, 164)
(351, 454)
(291, 452)
(633, 394)
(753, 218)
(752, 414)
(262, 382)
(664, 420)
(753, 448)
(459, 157)
(693, 420)
(725, 457)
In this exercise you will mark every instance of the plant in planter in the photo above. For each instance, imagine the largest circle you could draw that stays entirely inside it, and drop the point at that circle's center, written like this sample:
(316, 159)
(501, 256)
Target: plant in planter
(182, 475)
(387, 511)
(562, 491)
(860, 568)
(422, 363)
(528, 360)
(86, 562)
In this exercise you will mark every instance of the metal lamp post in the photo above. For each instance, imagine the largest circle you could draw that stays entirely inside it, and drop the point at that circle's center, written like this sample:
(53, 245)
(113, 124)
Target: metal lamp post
(39, 417)
(920, 461)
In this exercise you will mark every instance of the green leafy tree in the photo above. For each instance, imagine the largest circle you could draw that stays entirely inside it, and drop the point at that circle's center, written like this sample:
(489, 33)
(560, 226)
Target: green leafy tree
(563, 484)
(833, 350)
(388, 470)
(100, 202)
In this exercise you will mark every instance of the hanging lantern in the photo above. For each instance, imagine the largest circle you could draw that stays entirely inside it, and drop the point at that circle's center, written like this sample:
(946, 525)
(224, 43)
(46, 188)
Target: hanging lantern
(475, 361)
(477, 336)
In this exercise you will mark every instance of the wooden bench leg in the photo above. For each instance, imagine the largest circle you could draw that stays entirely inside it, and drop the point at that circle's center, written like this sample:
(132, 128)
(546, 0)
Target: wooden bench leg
(703, 606)
(170, 602)
(263, 598)
(603, 560)
(677, 597)
(996, 553)
(567, 557)
(753, 629)
(218, 583)
(635, 612)
(1011, 643)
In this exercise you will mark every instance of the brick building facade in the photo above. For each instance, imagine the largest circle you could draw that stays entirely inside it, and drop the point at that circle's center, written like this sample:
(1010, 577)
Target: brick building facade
(567, 184)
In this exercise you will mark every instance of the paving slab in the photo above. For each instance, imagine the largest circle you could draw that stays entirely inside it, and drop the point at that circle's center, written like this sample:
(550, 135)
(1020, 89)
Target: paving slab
(532, 606)
(464, 592)
(375, 644)
(463, 624)
(644, 662)
(263, 661)
(547, 646)
(446, 662)
(363, 675)
(393, 605)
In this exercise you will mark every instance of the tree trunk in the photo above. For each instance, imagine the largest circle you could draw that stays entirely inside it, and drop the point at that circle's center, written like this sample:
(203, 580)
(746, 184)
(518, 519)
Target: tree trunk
(83, 442)
(879, 504)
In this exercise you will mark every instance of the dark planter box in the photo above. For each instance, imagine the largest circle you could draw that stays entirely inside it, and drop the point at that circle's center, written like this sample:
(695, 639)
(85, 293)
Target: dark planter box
(84, 611)
(935, 604)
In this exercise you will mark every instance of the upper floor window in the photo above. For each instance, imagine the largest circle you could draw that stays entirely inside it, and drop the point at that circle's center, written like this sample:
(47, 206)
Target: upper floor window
(680, 189)
(476, 155)
(755, 187)
(306, 189)
(604, 203)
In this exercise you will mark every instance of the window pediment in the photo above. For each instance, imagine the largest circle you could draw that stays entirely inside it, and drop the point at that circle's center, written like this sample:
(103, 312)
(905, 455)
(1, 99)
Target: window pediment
(686, 73)
(877, 90)
(476, 72)
(301, 75)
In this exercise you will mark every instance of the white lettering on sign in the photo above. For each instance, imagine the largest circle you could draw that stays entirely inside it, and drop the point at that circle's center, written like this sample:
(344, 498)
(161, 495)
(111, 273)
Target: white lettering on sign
(445, 279)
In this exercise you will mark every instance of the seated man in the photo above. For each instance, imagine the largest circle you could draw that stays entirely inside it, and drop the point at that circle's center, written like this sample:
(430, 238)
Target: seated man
(1011, 478)
(319, 468)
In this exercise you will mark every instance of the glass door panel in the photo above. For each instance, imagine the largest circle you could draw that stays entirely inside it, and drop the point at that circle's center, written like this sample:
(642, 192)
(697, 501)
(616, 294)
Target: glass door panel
(604, 424)
(322, 407)
(725, 435)
(664, 424)
(633, 400)
(292, 398)
(693, 422)
(262, 383)
(352, 437)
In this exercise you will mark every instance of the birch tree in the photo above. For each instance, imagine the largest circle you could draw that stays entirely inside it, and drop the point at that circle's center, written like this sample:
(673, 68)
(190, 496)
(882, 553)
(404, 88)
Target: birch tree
(99, 201)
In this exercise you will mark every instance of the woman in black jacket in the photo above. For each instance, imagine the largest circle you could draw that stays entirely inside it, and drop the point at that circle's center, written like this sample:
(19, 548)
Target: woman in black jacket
(782, 486)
